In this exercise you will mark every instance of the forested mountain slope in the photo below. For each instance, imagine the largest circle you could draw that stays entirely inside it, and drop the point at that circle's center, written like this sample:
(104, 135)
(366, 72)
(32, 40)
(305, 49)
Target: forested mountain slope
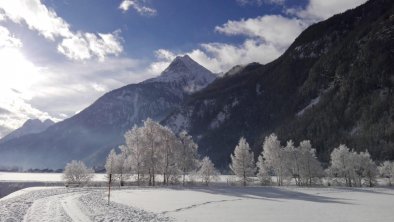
(333, 85)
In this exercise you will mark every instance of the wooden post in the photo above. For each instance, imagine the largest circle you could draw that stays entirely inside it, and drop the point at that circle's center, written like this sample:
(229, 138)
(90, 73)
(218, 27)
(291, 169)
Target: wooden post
(109, 187)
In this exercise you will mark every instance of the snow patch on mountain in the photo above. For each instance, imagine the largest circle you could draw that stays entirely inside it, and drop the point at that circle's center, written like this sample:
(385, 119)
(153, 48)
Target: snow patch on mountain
(222, 115)
(180, 122)
(313, 103)
(258, 89)
(184, 72)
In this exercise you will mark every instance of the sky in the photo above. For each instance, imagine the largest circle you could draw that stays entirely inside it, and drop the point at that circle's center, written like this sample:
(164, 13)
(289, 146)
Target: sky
(58, 56)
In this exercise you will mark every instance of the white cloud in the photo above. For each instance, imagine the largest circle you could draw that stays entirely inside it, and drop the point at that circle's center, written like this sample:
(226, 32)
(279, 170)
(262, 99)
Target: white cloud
(273, 29)
(74, 45)
(58, 90)
(71, 85)
(163, 59)
(37, 17)
(2, 16)
(318, 10)
(76, 48)
(7, 40)
(220, 57)
(19, 110)
(18, 76)
(55, 90)
(267, 37)
(84, 46)
(260, 2)
(138, 6)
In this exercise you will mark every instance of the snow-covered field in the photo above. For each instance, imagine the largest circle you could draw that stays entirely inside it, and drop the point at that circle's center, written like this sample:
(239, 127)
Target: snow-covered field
(200, 204)
(39, 177)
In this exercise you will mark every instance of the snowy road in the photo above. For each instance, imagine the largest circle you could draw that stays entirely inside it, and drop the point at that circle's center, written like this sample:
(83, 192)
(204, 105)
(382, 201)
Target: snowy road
(61, 204)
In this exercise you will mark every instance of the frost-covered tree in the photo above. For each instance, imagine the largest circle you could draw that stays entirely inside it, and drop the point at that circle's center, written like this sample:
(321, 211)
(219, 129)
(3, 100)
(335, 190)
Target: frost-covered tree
(386, 170)
(353, 167)
(151, 143)
(342, 165)
(135, 152)
(275, 157)
(121, 165)
(242, 161)
(170, 150)
(110, 164)
(309, 166)
(365, 169)
(207, 171)
(188, 157)
(263, 171)
(153, 149)
(292, 159)
(76, 173)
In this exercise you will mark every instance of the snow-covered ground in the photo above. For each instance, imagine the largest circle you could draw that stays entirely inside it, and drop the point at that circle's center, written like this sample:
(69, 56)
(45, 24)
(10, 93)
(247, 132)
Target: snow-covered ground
(200, 204)
(73, 204)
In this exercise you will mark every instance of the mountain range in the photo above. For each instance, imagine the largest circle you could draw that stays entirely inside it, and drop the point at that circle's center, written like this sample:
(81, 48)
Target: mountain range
(90, 134)
(333, 85)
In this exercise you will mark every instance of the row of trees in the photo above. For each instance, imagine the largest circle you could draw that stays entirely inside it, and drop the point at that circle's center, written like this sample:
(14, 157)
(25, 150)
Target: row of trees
(300, 164)
(286, 162)
(154, 149)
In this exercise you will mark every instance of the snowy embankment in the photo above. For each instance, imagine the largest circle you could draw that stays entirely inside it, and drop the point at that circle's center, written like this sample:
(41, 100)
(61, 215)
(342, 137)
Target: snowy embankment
(200, 204)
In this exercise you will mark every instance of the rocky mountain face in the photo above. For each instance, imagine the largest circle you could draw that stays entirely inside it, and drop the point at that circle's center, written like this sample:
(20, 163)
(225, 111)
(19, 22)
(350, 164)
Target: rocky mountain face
(90, 134)
(333, 85)
(31, 126)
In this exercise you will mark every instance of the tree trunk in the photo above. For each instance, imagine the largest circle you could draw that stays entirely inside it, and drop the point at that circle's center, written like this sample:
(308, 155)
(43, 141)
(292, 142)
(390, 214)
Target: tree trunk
(153, 176)
(150, 178)
(244, 179)
(184, 175)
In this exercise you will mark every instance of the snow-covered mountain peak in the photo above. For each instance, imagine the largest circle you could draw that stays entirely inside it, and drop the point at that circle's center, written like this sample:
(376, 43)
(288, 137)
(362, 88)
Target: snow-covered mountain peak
(29, 127)
(185, 73)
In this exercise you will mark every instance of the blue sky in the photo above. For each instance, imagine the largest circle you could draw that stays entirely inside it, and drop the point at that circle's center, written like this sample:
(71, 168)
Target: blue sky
(59, 56)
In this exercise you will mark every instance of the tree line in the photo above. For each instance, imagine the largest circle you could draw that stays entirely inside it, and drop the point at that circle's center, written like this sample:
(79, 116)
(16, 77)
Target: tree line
(300, 164)
(153, 149)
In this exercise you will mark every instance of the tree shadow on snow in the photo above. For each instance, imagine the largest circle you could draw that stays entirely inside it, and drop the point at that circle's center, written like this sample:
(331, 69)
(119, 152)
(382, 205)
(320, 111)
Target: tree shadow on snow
(368, 190)
(269, 193)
